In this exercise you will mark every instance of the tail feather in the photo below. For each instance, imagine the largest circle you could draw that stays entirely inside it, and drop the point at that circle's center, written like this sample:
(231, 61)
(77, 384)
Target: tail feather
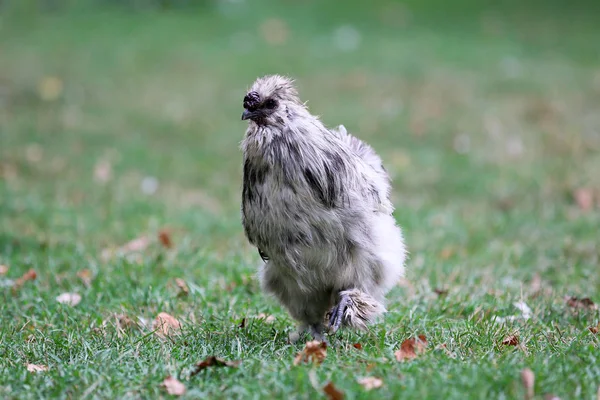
(362, 310)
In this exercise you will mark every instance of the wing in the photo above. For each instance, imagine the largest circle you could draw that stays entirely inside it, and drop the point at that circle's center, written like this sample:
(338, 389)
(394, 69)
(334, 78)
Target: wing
(381, 179)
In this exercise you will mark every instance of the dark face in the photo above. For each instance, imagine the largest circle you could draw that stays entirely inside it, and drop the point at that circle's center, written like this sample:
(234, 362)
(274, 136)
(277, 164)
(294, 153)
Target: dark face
(257, 109)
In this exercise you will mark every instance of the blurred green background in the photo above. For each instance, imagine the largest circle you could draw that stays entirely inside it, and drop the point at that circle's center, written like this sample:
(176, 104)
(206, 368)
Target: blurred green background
(119, 118)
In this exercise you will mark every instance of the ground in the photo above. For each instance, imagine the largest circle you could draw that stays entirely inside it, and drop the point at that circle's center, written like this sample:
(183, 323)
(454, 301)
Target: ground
(121, 123)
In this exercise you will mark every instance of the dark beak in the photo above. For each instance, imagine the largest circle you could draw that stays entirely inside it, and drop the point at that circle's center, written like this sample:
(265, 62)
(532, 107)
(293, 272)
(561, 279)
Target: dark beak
(247, 115)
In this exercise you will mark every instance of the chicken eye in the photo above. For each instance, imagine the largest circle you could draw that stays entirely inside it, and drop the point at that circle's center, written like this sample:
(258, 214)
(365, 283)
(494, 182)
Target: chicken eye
(270, 104)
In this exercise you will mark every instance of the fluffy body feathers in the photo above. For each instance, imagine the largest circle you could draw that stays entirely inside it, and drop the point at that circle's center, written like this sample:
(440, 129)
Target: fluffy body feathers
(315, 203)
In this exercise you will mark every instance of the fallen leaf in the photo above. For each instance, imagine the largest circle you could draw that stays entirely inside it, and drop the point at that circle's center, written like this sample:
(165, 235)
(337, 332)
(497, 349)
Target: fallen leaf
(36, 368)
(132, 250)
(27, 276)
(584, 197)
(446, 253)
(213, 361)
(165, 325)
(370, 382)
(528, 379)
(595, 329)
(136, 245)
(267, 318)
(164, 236)
(313, 352)
(357, 346)
(71, 299)
(183, 287)
(410, 348)
(242, 324)
(505, 203)
(526, 313)
(536, 284)
(50, 88)
(86, 276)
(173, 386)
(550, 396)
(440, 292)
(8, 171)
(332, 392)
(124, 323)
(3, 269)
(576, 302)
(511, 340)
(102, 171)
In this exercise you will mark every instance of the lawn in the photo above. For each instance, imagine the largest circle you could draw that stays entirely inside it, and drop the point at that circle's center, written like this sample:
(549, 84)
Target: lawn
(122, 123)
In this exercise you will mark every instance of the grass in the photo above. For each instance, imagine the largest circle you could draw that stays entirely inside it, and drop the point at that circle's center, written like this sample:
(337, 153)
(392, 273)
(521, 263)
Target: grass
(487, 119)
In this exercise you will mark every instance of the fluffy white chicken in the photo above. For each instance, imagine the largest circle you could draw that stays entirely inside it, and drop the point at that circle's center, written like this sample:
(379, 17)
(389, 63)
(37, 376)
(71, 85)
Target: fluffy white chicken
(316, 204)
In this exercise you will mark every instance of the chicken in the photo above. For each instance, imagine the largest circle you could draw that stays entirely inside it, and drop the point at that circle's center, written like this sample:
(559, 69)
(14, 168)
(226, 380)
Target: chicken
(316, 204)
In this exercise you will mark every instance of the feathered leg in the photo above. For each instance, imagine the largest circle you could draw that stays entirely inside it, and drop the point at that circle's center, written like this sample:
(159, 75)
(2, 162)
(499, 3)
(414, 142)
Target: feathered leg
(355, 309)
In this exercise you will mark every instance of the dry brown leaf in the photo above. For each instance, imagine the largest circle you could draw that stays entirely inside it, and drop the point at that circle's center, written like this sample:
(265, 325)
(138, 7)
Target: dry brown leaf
(3, 269)
(410, 348)
(585, 303)
(511, 340)
(505, 203)
(528, 379)
(71, 299)
(8, 171)
(173, 386)
(370, 382)
(102, 171)
(124, 323)
(357, 346)
(269, 319)
(36, 368)
(584, 197)
(131, 249)
(86, 276)
(313, 352)
(136, 245)
(165, 325)
(27, 276)
(595, 329)
(332, 392)
(370, 367)
(164, 236)
(446, 253)
(551, 396)
(50, 88)
(183, 287)
(213, 361)
(536, 283)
